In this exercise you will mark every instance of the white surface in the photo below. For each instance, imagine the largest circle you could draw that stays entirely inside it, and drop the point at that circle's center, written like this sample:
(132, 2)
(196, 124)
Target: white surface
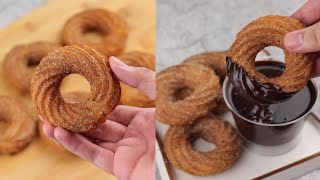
(251, 165)
(161, 167)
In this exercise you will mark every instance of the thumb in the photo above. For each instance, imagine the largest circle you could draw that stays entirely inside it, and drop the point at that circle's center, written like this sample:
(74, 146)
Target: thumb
(136, 77)
(304, 41)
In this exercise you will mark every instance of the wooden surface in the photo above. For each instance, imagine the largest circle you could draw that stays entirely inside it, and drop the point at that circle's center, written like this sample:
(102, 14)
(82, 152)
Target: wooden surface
(39, 161)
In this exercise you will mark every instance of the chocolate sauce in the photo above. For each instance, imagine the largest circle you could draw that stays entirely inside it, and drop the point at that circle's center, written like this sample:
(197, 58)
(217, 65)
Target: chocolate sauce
(245, 95)
(249, 86)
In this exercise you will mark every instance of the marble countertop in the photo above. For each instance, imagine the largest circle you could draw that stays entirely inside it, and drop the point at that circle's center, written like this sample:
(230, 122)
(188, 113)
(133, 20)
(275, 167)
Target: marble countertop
(189, 27)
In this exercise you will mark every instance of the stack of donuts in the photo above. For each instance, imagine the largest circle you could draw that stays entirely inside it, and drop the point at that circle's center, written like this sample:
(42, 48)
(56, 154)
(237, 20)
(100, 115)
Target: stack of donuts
(189, 98)
(38, 68)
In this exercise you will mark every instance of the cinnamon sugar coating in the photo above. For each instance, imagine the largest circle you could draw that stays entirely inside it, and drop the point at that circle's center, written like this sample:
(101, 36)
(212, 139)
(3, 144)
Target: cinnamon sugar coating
(270, 31)
(217, 62)
(72, 97)
(19, 62)
(178, 146)
(75, 117)
(112, 27)
(202, 84)
(20, 127)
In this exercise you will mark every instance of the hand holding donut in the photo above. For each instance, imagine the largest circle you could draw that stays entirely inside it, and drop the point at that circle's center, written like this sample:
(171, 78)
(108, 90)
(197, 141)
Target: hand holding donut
(308, 39)
(125, 144)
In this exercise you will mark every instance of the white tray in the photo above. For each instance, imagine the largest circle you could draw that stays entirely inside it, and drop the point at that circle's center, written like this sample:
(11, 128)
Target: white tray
(302, 159)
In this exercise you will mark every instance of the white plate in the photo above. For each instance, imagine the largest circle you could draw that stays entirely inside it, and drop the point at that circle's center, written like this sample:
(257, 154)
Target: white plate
(302, 159)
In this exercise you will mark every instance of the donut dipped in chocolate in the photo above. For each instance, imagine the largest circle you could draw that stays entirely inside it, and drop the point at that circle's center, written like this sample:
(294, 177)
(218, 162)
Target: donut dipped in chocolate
(260, 33)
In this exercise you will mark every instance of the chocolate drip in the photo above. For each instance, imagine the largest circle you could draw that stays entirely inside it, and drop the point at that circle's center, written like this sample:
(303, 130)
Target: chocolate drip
(266, 103)
(246, 85)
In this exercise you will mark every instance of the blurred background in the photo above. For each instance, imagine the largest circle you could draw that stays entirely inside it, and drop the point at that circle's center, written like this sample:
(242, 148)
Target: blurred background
(13, 9)
(26, 21)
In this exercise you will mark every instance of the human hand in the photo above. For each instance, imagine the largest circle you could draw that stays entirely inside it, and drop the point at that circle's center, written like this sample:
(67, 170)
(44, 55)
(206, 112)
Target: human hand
(308, 39)
(125, 144)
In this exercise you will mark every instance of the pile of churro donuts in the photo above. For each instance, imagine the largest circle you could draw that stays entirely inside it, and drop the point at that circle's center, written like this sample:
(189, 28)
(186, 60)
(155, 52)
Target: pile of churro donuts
(189, 100)
(37, 69)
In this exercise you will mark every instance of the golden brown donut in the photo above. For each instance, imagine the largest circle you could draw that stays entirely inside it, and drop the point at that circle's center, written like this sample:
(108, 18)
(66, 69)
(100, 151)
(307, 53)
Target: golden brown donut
(82, 116)
(270, 31)
(18, 64)
(71, 97)
(132, 96)
(19, 129)
(113, 28)
(178, 146)
(201, 81)
(217, 62)
(214, 60)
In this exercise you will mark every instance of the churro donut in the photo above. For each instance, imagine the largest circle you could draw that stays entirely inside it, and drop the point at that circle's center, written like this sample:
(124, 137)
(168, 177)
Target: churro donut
(19, 128)
(214, 60)
(178, 146)
(19, 61)
(71, 97)
(203, 85)
(132, 96)
(82, 116)
(113, 28)
(270, 31)
(217, 62)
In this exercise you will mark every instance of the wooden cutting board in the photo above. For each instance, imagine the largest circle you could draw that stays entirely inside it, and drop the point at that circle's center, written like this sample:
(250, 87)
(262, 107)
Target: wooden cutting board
(39, 161)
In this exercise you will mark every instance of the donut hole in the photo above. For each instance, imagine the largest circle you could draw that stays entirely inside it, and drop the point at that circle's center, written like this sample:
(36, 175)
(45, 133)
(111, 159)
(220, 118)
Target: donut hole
(33, 62)
(75, 88)
(202, 145)
(93, 35)
(270, 53)
(182, 93)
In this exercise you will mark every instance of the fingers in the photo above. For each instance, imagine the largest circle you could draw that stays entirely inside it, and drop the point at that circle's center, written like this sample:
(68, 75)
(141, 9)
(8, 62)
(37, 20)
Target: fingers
(309, 13)
(110, 131)
(109, 145)
(130, 152)
(304, 40)
(144, 123)
(83, 148)
(137, 77)
(123, 114)
(48, 129)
